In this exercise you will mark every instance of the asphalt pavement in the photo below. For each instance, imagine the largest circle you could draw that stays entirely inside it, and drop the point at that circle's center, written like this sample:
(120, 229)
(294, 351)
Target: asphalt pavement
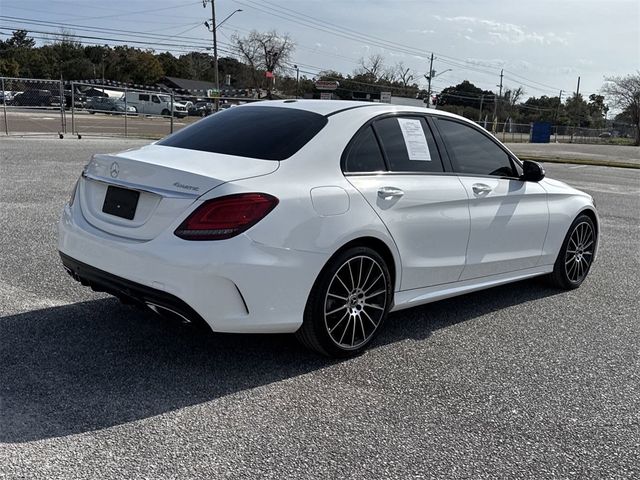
(520, 381)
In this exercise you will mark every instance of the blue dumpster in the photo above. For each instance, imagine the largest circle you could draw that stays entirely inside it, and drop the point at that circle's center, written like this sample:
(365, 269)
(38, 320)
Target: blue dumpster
(540, 132)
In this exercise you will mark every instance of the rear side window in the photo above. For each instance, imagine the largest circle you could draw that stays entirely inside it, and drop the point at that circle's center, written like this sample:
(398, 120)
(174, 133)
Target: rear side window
(266, 133)
(364, 153)
(143, 97)
(473, 152)
(408, 144)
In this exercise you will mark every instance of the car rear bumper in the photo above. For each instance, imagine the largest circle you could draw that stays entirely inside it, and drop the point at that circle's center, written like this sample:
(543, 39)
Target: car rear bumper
(126, 290)
(234, 285)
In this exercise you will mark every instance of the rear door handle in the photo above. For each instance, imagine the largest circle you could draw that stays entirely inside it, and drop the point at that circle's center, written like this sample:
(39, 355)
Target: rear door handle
(480, 188)
(389, 192)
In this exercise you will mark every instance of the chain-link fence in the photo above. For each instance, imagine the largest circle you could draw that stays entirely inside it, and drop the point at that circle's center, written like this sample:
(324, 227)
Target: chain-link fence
(54, 107)
(112, 111)
(32, 106)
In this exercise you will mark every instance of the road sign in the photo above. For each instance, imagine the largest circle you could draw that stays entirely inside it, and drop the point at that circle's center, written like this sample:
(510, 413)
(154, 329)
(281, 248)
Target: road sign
(385, 97)
(326, 84)
(212, 93)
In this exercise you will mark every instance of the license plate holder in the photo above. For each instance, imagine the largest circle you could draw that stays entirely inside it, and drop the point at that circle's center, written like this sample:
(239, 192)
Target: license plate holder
(121, 202)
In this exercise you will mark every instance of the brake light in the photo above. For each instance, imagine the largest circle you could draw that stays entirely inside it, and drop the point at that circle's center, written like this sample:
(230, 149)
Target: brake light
(226, 217)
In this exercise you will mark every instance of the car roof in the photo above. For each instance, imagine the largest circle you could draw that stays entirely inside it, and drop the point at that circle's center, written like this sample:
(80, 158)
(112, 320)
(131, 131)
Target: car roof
(332, 107)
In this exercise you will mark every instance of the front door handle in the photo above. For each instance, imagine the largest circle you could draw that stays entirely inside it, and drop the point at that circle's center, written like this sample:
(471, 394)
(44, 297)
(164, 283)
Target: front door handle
(481, 188)
(389, 192)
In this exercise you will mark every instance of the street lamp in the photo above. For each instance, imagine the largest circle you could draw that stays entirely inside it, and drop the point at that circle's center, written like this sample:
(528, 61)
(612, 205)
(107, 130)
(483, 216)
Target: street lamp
(430, 77)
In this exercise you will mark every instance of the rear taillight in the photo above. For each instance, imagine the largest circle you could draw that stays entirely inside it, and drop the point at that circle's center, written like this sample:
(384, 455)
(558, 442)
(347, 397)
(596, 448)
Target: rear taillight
(226, 217)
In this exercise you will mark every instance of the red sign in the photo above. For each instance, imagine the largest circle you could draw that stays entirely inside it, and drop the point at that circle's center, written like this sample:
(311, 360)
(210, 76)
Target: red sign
(326, 84)
(269, 74)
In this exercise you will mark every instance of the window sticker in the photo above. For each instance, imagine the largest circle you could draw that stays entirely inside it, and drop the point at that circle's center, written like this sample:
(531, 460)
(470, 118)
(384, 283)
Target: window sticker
(414, 139)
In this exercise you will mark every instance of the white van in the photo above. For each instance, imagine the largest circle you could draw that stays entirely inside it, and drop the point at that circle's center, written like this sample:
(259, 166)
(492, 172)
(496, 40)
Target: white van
(155, 104)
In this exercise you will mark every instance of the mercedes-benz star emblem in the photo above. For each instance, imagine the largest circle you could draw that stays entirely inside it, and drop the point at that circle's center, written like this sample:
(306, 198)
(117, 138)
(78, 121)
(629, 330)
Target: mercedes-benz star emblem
(115, 169)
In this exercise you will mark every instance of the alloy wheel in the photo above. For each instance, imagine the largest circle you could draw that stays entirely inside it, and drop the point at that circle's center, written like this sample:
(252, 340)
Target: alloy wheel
(355, 302)
(579, 254)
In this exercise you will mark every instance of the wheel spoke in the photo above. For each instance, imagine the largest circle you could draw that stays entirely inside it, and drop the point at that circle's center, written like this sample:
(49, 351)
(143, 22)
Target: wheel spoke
(378, 307)
(375, 325)
(360, 271)
(353, 333)
(374, 283)
(353, 283)
(364, 335)
(572, 267)
(572, 259)
(367, 297)
(339, 322)
(336, 310)
(348, 290)
(337, 296)
(345, 329)
(367, 277)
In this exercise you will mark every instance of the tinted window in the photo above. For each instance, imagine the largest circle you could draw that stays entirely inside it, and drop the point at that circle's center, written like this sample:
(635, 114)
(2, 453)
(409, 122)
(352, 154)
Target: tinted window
(267, 133)
(408, 144)
(364, 153)
(473, 152)
(143, 97)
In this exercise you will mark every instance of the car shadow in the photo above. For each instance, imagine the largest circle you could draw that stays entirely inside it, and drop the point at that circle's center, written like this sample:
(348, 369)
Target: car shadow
(92, 365)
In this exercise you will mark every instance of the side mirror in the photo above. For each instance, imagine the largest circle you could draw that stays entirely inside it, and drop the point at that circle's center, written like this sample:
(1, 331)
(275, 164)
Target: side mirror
(532, 171)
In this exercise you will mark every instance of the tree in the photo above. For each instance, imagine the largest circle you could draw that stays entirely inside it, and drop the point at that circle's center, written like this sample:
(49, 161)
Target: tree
(597, 110)
(371, 68)
(624, 93)
(18, 39)
(465, 94)
(577, 111)
(264, 52)
(404, 74)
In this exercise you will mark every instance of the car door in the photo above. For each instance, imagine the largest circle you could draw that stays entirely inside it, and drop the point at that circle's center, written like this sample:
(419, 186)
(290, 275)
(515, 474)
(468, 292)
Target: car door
(395, 164)
(509, 216)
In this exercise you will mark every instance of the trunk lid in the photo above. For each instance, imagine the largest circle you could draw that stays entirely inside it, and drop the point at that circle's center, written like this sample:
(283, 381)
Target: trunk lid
(167, 180)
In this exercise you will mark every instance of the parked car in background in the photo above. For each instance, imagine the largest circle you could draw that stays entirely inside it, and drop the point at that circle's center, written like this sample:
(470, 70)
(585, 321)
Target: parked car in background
(78, 99)
(320, 218)
(202, 109)
(155, 104)
(6, 96)
(34, 98)
(108, 105)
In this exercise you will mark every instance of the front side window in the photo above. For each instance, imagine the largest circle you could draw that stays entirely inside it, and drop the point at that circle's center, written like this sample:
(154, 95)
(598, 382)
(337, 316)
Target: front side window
(155, 99)
(473, 152)
(266, 133)
(408, 144)
(364, 153)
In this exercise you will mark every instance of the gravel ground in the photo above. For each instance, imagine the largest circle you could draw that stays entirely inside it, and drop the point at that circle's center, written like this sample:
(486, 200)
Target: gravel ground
(520, 381)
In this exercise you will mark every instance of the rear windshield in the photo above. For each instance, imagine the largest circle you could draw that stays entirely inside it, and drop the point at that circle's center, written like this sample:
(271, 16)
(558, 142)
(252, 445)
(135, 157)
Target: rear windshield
(266, 133)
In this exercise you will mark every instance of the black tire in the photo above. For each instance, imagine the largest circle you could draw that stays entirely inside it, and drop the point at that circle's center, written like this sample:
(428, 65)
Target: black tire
(576, 254)
(165, 113)
(335, 303)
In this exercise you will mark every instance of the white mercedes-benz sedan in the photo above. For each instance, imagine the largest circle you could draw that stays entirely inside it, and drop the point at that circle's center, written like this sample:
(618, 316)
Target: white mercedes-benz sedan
(320, 218)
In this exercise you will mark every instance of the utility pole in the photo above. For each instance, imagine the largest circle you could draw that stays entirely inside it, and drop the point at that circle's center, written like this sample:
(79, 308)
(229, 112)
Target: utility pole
(481, 102)
(495, 104)
(215, 49)
(577, 123)
(429, 80)
(555, 120)
(297, 81)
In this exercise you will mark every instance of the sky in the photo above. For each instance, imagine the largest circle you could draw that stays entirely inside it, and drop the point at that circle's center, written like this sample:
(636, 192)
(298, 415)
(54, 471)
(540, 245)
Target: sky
(542, 45)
